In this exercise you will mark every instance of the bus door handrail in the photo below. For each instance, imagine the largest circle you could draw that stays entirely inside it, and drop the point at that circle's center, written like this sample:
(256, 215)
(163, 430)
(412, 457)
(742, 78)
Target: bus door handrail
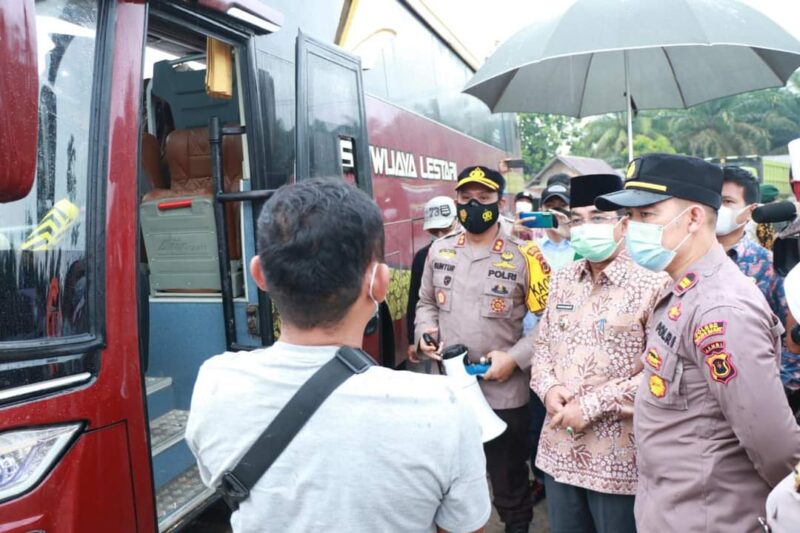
(215, 135)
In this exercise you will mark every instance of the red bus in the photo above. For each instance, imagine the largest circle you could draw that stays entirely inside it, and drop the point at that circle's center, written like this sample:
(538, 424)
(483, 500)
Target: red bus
(139, 141)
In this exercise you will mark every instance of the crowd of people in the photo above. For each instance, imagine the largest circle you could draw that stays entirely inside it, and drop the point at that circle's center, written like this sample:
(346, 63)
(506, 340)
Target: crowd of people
(636, 353)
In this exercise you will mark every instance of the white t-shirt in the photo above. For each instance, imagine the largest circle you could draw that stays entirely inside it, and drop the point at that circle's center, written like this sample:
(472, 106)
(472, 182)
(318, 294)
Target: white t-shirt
(387, 451)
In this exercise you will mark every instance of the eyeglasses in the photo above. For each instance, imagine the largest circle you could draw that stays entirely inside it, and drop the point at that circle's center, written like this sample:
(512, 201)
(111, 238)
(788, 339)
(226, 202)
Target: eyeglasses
(596, 219)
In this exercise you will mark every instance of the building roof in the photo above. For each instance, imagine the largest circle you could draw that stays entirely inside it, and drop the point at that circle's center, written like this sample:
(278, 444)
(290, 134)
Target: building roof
(578, 165)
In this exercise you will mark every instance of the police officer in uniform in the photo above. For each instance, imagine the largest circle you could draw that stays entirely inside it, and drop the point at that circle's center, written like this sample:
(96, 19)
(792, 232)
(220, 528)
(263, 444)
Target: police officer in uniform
(477, 286)
(713, 430)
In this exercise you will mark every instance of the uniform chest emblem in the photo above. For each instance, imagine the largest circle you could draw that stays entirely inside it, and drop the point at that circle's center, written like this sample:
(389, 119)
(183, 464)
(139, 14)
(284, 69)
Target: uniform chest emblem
(500, 289)
(507, 256)
(654, 359)
(447, 280)
(447, 253)
(505, 265)
(658, 387)
(441, 297)
(712, 329)
(674, 312)
(686, 282)
(721, 367)
(498, 305)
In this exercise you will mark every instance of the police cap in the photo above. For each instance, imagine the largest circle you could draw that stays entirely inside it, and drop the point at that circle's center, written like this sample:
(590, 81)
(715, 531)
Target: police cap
(654, 178)
(491, 179)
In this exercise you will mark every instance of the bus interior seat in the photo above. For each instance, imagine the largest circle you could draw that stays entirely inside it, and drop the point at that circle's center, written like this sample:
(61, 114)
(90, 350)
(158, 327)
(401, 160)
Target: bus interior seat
(151, 162)
(178, 222)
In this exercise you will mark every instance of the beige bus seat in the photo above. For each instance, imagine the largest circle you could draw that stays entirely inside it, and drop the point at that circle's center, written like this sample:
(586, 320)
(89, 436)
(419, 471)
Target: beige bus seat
(178, 222)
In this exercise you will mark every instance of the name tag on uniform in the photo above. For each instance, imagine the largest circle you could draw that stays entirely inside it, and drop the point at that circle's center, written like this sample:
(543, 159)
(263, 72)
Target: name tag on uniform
(565, 307)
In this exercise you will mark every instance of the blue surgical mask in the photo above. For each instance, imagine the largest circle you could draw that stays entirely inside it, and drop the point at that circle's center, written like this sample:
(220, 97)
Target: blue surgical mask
(594, 242)
(645, 245)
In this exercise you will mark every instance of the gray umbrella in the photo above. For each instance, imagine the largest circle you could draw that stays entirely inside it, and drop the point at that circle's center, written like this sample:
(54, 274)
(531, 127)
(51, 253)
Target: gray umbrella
(604, 56)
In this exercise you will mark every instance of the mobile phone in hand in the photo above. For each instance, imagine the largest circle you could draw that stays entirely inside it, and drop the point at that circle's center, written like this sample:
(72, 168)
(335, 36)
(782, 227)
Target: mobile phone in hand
(543, 219)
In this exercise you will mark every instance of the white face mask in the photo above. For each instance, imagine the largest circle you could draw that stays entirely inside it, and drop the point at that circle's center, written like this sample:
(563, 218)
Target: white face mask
(726, 220)
(524, 207)
(371, 283)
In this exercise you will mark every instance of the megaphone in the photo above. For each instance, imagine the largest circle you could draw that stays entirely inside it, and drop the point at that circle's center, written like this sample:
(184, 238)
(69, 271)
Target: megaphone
(456, 364)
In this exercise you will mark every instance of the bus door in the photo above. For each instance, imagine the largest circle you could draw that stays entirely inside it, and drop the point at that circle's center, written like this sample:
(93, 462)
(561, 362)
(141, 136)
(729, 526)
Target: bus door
(331, 141)
(200, 188)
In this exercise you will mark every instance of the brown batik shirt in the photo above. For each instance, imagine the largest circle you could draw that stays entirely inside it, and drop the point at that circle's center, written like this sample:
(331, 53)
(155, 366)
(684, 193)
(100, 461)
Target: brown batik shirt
(591, 339)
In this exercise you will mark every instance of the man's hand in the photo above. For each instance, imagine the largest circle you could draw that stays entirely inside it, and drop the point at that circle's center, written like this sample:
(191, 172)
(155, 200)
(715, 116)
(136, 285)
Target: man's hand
(411, 354)
(556, 398)
(570, 416)
(519, 228)
(429, 350)
(503, 366)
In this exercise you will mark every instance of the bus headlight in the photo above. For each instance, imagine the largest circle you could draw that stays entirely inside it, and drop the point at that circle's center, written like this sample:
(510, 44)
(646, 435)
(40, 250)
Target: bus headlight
(26, 454)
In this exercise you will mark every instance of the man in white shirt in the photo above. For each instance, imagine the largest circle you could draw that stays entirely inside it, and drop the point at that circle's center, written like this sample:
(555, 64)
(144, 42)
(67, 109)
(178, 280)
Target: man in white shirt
(386, 451)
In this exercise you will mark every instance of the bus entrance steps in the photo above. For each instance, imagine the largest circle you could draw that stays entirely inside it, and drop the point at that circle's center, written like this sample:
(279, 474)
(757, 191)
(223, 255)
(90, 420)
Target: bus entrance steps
(167, 430)
(181, 499)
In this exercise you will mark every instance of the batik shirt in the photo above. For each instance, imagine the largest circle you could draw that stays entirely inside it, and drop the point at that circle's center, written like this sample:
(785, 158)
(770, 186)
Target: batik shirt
(591, 340)
(755, 261)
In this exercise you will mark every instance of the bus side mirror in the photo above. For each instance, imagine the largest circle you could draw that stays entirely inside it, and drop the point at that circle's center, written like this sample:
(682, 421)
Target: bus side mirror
(19, 93)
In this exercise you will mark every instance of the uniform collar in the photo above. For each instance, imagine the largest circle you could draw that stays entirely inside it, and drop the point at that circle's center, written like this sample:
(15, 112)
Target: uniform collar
(704, 267)
(497, 246)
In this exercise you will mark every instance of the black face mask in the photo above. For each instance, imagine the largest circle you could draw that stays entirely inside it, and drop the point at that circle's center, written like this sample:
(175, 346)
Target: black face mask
(477, 217)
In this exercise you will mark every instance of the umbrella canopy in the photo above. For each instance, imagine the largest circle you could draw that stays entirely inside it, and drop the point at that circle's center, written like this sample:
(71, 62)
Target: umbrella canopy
(678, 53)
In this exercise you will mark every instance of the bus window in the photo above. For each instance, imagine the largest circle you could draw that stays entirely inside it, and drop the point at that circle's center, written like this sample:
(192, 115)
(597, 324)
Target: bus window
(332, 132)
(43, 237)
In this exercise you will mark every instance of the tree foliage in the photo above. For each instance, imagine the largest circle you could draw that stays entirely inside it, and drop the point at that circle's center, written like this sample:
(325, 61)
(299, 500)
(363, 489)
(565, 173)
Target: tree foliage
(542, 136)
(760, 122)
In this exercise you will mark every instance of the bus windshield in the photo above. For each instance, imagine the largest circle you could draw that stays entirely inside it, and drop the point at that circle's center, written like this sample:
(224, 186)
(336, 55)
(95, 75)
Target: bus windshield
(43, 237)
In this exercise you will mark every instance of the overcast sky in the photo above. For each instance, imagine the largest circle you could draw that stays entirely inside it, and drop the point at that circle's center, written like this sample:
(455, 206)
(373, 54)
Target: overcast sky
(481, 24)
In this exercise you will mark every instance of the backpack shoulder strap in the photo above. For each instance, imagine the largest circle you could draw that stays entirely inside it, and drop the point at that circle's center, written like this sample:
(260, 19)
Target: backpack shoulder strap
(238, 481)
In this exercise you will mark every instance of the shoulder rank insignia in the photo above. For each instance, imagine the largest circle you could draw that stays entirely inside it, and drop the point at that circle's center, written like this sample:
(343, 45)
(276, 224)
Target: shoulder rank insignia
(461, 240)
(712, 329)
(720, 364)
(447, 253)
(498, 246)
(654, 359)
(674, 312)
(685, 283)
(658, 387)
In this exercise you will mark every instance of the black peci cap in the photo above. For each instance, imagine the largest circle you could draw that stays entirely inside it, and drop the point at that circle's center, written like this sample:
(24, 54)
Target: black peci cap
(653, 178)
(485, 176)
(585, 189)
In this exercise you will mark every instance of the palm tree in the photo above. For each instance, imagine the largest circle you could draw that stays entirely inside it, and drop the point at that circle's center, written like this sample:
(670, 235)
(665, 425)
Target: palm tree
(720, 128)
